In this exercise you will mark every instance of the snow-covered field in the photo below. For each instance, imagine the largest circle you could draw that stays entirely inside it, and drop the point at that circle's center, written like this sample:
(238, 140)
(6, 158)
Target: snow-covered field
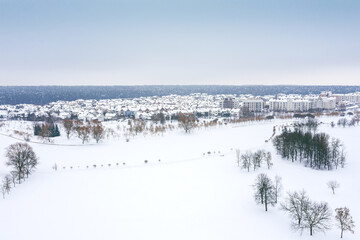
(185, 195)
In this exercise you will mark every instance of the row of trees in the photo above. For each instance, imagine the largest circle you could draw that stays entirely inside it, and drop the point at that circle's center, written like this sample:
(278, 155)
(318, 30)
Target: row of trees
(254, 160)
(311, 125)
(23, 160)
(83, 130)
(304, 213)
(315, 149)
(343, 122)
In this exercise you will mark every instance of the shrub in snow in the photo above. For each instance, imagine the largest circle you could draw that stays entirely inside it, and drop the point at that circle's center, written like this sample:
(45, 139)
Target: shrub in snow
(333, 185)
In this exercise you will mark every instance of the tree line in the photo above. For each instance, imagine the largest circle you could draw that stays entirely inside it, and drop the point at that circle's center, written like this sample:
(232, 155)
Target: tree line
(84, 130)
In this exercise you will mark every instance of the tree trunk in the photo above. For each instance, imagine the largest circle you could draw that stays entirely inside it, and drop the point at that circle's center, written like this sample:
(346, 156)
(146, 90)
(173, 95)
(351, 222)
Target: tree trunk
(311, 231)
(342, 230)
(265, 200)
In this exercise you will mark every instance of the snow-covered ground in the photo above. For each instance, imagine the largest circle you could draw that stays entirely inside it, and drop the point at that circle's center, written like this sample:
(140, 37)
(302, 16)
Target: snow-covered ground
(185, 195)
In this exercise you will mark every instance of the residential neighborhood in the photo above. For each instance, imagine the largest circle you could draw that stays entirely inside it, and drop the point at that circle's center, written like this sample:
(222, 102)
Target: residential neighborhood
(202, 104)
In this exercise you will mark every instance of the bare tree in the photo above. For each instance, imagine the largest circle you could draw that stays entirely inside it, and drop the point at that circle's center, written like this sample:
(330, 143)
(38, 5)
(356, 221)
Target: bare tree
(356, 118)
(277, 187)
(246, 160)
(268, 160)
(45, 131)
(342, 158)
(77, 125)
(187, 121)
(6, 185)
(264, 190)
(238, 157)
(83, 133)
(317, 217)
(257, 159)
(14, 177)
(22, 158)
(68, 126)
(335, 151)
(333, 185)
(295, 204)
(138, 126)
(97, 130)
(344, 220)
(3, 190)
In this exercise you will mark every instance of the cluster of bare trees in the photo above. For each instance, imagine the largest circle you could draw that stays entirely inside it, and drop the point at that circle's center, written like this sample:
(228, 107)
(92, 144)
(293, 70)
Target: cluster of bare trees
(267, 192)
(311, 125)
(136, 126)
(314, 216)
(343, 122)
(23, 160)
(83, 130)
(158, 117)
(254, 160)
(26, 136)
(186, 121)
(304, 213)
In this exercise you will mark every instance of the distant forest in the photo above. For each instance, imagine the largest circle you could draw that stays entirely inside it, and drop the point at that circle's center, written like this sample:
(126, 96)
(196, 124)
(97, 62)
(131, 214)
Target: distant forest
(41, 95)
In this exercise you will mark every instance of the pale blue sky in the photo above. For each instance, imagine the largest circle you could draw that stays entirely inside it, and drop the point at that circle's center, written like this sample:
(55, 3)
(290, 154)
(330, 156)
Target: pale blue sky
(84, 42)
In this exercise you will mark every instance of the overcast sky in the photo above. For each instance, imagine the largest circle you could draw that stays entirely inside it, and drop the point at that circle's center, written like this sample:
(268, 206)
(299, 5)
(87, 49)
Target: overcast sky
(140, 42)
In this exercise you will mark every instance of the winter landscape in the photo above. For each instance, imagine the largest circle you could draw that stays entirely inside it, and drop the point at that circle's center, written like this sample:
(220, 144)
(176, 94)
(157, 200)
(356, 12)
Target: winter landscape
(164, 182)
(179, 120)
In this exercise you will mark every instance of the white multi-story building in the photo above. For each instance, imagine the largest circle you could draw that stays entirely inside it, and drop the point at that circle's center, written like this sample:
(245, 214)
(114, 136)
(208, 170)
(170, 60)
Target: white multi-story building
(302, 104)
(298, 105)
(349, 97)
(254, 104)
(278, 105)
(229, 103)
(289, 105)
(323, 103)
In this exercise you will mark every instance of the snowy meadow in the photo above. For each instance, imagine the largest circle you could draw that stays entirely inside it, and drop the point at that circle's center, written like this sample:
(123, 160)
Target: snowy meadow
(169, 186)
